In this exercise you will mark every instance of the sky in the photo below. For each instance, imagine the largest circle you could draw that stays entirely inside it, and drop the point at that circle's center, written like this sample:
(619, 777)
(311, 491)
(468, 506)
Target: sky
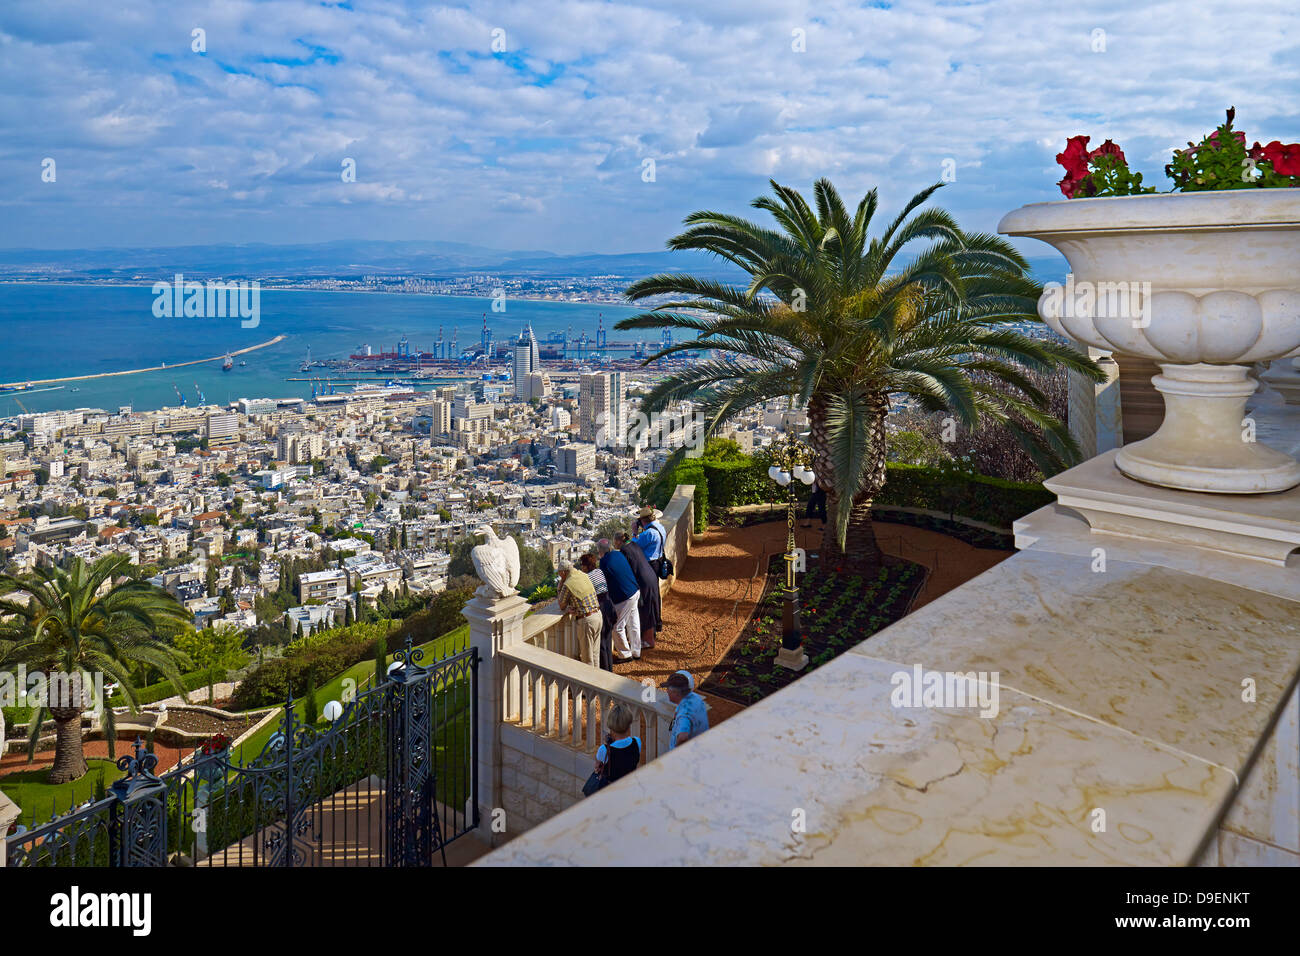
(577, 126)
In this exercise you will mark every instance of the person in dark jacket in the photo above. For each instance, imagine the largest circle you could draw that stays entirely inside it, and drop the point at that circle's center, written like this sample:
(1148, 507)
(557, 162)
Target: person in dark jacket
(590, 564)
(816, 504)
(624, 592)
(650, 606)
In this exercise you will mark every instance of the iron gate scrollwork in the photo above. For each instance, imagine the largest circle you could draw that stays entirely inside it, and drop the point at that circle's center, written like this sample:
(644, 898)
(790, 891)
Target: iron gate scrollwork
(390, 782)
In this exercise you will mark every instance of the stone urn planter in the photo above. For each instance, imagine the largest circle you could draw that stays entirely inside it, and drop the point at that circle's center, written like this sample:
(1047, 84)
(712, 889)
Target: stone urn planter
(1205, 284)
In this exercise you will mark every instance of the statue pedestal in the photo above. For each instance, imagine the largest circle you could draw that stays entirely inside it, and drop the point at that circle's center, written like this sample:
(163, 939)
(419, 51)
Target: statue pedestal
(495, 622)
(1263, 527)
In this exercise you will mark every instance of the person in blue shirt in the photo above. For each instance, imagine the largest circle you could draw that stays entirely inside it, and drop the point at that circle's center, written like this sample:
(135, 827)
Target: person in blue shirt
(692, 716)
(650, 536)
(625, 595)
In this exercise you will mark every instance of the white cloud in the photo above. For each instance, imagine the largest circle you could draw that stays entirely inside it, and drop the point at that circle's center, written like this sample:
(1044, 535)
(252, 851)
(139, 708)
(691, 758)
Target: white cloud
(543, 143)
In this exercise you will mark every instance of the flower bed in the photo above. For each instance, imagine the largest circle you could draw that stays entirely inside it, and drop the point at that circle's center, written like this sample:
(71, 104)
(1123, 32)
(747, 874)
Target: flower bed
(839, 611)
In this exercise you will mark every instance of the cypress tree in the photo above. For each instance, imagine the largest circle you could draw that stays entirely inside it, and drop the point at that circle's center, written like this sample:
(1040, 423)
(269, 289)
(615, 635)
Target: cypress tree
(311, 713)
(381, 666)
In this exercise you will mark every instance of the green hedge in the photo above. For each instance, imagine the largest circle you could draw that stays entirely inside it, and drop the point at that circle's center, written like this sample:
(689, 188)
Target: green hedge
(979, 497)
(318, 661)
(658, 488)
(322, 656)
(731, 484)
(163, 689)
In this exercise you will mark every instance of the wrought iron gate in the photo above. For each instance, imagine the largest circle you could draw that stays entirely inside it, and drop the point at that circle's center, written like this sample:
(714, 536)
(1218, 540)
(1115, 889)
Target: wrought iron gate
(391, 782)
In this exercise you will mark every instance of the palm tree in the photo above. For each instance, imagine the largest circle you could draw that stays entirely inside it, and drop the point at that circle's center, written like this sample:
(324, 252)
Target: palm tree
(839, 322)
(76, 621)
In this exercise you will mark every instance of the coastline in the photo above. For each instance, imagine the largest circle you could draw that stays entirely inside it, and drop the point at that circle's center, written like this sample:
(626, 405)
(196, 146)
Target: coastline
(137, 371)
(90, 283)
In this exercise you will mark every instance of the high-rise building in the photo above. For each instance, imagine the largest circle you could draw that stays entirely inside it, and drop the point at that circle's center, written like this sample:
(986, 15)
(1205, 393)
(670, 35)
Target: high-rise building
(576, 461)
(466, 409)
(222, 428)
(539, 386)
(439, 413)
(602, 409)
(527, 360)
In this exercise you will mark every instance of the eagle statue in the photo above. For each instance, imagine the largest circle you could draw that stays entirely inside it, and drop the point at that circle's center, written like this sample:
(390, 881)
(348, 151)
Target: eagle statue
(496, 562)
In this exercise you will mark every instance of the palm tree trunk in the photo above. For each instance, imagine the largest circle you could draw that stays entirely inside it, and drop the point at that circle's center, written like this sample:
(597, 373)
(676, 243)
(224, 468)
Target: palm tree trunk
(861, 552)
(69, 759)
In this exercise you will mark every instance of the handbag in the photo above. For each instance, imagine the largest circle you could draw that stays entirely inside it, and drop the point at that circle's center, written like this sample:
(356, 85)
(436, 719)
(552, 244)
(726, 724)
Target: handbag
(594, 782)
(663, 563)
(598, 781)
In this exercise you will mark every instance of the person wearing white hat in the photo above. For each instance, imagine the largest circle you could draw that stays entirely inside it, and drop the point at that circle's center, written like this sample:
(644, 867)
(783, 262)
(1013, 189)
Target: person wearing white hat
(651, 537)
(691, 718)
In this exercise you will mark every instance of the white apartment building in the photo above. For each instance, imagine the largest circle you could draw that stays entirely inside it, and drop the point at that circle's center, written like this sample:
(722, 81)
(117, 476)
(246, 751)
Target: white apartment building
(222, 428)
(51, 423)
(322, 585)
(466, 409)
(602, 408)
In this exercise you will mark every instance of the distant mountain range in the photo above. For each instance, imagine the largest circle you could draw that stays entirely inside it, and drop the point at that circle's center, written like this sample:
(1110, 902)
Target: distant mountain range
(353, 258)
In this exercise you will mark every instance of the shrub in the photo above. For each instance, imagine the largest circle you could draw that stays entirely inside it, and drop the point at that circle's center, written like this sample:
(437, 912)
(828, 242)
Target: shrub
(991, 500)
(153, 693)
(320, 657)
(721, 485)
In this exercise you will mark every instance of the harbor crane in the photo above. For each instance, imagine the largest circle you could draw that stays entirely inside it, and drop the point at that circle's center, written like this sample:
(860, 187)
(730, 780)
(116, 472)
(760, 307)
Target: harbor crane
(178, 394)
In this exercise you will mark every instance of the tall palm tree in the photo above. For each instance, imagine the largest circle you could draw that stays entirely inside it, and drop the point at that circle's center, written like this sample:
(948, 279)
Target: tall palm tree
(78, 622)
(843, 323)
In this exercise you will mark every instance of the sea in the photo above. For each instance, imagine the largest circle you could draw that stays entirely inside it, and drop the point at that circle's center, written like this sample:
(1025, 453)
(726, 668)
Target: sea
(54, 330)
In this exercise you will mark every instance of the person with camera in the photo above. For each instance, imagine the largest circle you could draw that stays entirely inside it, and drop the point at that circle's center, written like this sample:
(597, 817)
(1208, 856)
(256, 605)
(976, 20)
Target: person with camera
(651, 538)
(619, 755)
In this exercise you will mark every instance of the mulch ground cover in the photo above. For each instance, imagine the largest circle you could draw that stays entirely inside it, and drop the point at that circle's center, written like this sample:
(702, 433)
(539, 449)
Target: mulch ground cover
(197, 722)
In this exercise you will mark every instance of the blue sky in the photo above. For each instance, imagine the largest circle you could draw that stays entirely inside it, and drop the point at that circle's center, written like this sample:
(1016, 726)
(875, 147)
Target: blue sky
(540, 142)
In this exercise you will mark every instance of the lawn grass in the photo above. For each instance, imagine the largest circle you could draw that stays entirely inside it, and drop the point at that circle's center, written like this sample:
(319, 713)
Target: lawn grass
(29, 789)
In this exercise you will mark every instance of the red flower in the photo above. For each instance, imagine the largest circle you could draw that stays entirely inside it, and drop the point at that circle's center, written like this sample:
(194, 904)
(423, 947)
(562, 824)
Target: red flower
(1237, 134)
(1285, 159)
(1108, 148)
(1075, 160)
(215, 744)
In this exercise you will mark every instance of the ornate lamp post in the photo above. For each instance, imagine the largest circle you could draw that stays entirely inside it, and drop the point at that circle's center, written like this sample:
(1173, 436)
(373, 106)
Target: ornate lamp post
(791, 459)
